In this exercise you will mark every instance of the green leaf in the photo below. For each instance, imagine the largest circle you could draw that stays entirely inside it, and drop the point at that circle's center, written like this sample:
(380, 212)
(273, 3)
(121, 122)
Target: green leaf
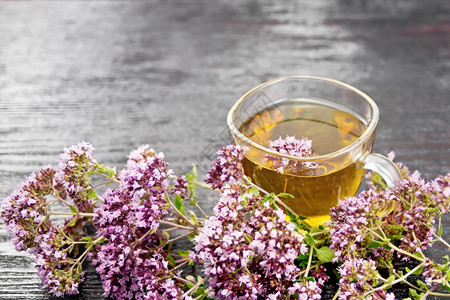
(416, 272)
(194, 219)
(413, 293)
(171, 261)
(303, 263)
(373, 245)
(391, 278)
(285, 195)
(70, 249)
(166, 234)
(110, 171)
(300, 217)
(440, 230)
(192, 236)
(100, 168)
(302, 257)
(179, 204)
(86, 239)
(309, 240)
(248, 238)
(304, 227)
(73, 222)
(192, 187)
(336, 274)
(325, 254)
(189, 284)
(183, 253)
(422, 284)
(47, 217)
(201, 292)
(92, 193)
(254, 190)
(73, 209)
(194, 171)
(447, 287)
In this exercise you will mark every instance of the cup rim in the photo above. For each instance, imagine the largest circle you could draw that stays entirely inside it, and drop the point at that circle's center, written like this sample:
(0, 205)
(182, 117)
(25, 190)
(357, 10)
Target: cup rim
(357, 143)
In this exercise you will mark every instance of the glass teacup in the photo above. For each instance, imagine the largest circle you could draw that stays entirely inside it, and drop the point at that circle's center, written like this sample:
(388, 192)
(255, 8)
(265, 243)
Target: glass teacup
(340, 121)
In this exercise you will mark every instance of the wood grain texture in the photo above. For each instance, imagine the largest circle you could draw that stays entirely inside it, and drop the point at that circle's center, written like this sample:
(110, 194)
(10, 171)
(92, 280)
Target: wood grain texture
(123, 73)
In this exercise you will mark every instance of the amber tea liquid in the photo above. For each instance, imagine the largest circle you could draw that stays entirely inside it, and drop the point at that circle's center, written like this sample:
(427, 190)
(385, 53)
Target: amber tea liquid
(330, 128)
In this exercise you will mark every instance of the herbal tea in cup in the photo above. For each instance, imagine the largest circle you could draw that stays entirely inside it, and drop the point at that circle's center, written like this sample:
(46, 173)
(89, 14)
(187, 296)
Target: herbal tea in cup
(339, 123)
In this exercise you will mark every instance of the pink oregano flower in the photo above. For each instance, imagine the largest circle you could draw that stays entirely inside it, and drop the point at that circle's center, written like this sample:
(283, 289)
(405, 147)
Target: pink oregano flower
(294, 147)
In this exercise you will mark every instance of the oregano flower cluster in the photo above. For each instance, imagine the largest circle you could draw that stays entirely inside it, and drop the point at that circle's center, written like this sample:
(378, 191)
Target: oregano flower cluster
(293, 147)
(27, 213)
(249, 249)
(131, 263)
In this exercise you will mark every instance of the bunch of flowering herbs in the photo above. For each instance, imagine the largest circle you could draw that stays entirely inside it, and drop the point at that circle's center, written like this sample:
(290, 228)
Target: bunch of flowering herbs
(248, 247)
(129, 249)
(60, 248)
(378, 226)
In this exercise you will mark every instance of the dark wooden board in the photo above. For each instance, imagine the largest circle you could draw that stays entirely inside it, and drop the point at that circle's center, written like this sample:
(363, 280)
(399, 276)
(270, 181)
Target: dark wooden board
(123, 73)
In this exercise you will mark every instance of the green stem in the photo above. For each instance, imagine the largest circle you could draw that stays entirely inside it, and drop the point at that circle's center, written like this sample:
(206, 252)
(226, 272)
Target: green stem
(421, 290)
(179, 265)
(201, 210)
(179, 213)
(201, 184)
(335, 295)
(195, 287)
(175, 225)
(143, 237)
(441, 240)
(106, 176)
(428, 293)
(440, 294)
(62, 200)
(382, 232)
(418, 248)
(79, 261)
(102, 183)
(194, 181)
(170, 229)
(178, 237)
(182, 279)
(400, 279)
(388, 243)
(278, 200)
(73, 214)
(309, 261)
(320, 232)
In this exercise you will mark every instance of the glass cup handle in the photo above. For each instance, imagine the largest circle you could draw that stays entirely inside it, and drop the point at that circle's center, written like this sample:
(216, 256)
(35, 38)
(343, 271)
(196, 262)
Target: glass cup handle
(383, 166)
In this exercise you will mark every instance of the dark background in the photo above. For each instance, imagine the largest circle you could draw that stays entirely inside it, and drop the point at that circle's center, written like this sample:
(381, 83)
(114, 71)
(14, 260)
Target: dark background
(165, 73)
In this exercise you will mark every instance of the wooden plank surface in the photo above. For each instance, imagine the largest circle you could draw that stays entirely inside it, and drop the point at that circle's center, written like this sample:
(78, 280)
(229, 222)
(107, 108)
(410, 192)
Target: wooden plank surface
(124, 73)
